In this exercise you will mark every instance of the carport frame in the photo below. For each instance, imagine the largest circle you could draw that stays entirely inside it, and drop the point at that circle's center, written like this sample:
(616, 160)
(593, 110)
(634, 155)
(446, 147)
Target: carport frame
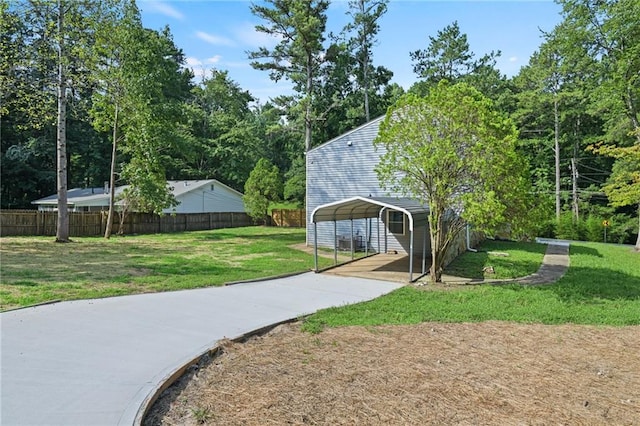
(368, 208)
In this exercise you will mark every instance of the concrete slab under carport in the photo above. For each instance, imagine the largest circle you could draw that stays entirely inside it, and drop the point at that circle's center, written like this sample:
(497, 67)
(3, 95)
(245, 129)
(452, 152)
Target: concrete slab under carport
(393, 267)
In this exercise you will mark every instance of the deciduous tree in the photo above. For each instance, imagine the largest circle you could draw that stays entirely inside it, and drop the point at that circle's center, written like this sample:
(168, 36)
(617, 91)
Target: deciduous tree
(263, 187)
(455, 153)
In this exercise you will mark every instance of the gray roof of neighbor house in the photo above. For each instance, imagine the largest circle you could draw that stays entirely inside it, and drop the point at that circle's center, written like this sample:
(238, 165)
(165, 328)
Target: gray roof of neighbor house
(370, 207)
(75, 195)
(91, 195)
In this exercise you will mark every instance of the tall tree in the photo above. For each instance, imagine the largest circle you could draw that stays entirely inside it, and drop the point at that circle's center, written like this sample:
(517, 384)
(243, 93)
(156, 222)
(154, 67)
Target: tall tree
(454, 152)
(365, 15)
(117, 46)
(142, 89)
(543, 82)
(449, 57)
(610, 31)
(299, 25)
(156, 95)
(56, 43)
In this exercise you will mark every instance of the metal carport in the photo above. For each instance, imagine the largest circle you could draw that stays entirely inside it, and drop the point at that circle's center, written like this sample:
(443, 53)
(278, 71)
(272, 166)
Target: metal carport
(369, 208)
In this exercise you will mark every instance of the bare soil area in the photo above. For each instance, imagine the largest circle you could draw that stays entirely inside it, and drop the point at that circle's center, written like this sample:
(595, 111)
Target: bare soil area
(491, 373)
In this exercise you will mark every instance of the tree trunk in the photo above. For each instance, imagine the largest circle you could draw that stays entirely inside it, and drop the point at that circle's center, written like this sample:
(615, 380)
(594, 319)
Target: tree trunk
(112, 176)
(62, 226)
(365, 69)
(574, 185)
(556, 119)
(637, 248)
(307, 114)
(435, 232)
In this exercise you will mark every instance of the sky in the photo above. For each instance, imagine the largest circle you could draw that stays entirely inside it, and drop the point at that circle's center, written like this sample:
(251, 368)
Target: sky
(219, 33)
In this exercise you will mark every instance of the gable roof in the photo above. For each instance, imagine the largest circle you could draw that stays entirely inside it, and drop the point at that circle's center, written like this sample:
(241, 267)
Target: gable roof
(76, 195)
(94, 196)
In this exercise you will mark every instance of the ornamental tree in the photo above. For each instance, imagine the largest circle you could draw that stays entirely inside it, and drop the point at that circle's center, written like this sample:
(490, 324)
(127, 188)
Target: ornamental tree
(452, 151)
(263, 186)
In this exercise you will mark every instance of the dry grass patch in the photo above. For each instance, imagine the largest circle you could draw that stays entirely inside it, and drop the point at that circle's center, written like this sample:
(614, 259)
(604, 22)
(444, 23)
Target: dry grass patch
(431, 373)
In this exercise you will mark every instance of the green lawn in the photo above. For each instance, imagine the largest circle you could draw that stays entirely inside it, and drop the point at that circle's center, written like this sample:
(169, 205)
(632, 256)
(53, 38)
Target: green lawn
(602, 287)
(522, 259)
(36, 270)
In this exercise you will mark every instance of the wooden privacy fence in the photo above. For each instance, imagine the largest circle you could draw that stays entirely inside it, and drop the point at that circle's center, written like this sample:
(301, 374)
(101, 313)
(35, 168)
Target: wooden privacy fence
(90, 224)
(289, 218)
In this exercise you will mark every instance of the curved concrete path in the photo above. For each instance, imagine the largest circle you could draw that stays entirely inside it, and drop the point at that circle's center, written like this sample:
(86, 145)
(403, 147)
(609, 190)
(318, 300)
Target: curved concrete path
(554, 264)
(94, 362)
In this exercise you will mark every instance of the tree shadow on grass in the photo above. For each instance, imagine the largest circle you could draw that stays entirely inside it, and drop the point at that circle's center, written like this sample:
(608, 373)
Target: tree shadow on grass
(471, 265)
(588, 285)
(284, 237)
(583, 250)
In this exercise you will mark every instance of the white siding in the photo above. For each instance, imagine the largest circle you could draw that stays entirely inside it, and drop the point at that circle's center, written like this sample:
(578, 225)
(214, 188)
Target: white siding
(343, 168)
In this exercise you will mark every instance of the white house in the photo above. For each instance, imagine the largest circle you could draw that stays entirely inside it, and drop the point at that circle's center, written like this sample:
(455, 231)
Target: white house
(347, 207)
(193, 196)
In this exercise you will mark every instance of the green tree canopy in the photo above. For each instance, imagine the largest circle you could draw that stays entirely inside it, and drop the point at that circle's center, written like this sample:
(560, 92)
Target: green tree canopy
(449, 57)
(454, 152)
(263, 186)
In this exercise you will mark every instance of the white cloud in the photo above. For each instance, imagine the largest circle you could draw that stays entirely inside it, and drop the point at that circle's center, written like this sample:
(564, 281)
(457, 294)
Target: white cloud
(163, 9)
(193, 62)
(513, 59)
(213, 60)
(246, 33)
(214, 39)
(202, 67)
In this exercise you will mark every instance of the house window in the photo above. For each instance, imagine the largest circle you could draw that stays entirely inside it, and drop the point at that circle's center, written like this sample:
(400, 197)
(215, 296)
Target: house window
(212, 187)
(395, 222)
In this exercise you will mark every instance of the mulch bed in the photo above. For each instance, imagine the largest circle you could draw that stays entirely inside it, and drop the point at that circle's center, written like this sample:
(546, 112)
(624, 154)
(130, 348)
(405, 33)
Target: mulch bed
(491, 373)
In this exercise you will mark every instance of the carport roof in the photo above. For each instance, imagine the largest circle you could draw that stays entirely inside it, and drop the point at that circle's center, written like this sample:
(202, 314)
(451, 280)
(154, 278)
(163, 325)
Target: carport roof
(370, 207)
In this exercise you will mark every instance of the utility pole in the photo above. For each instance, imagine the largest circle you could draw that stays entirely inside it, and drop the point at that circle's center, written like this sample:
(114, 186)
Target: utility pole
(574, 181)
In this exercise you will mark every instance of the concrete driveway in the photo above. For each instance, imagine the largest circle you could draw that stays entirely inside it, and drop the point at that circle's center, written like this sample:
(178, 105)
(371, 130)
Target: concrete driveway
(94, 362)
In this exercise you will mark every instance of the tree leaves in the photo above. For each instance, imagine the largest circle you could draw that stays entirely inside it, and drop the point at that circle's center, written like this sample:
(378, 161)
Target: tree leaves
(455, 153)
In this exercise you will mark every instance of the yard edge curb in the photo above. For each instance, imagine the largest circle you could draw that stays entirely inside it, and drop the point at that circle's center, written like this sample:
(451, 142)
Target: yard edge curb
(273, 277)
(178, 372)
(35, 305)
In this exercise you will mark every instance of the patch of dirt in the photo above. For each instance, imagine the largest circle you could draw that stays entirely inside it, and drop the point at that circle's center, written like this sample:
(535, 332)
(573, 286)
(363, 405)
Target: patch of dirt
(490, 373)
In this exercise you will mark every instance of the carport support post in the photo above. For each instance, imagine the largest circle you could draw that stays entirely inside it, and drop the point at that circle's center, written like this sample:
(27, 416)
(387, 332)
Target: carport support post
(378, 226)
(315, 245)
(366, 237)
(411, 257)
(335, 243)
(352, 256)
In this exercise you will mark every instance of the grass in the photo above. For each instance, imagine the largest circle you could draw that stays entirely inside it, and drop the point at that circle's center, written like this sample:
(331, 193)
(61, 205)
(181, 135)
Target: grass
(36, 270)
(601, 287)
(522, 259)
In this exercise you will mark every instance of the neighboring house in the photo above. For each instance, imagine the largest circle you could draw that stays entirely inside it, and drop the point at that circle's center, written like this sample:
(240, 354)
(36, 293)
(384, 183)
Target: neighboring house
(342, 184)
(193, 196)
